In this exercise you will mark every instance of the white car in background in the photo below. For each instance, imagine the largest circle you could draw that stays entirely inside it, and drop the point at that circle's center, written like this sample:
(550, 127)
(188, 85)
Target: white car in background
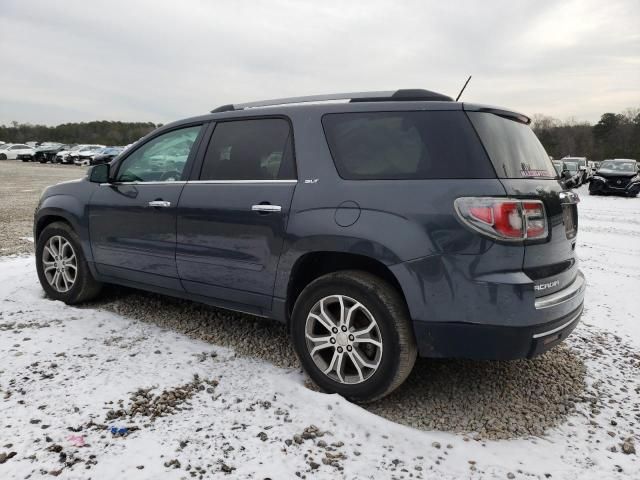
(84, 156)
(12, 151)
(85, 153)
(63, 156)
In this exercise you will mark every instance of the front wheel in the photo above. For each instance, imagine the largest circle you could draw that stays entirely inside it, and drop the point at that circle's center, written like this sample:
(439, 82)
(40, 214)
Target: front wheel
(352, 333)
(62, 268)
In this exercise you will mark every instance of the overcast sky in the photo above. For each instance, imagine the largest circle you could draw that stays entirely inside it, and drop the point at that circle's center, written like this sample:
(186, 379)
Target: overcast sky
(63, 61)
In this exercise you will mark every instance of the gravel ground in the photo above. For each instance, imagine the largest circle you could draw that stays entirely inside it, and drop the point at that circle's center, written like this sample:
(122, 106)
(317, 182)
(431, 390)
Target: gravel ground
(496, 400)
(20, 187)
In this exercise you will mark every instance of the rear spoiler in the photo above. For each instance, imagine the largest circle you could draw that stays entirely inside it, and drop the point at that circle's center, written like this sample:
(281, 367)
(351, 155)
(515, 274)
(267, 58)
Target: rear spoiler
(515, 116)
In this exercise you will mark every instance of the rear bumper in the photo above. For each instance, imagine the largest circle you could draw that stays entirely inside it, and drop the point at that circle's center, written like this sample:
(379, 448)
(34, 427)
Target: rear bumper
(491, 342)
(492, 316)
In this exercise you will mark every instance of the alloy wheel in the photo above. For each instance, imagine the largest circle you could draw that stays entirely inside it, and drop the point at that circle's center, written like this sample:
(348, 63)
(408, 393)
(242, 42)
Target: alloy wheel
(59, 264)
(343, 339)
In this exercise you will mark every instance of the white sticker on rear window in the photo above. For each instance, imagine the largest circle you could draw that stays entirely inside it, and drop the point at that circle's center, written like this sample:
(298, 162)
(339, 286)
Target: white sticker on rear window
(536, 173)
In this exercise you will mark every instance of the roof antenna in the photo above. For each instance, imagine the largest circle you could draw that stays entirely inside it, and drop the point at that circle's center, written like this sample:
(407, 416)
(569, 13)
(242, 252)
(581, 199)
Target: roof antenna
(463, 87)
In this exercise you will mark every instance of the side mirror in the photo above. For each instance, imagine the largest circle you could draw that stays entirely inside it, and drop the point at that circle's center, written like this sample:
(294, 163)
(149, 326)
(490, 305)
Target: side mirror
(99, 173)
(566, 174)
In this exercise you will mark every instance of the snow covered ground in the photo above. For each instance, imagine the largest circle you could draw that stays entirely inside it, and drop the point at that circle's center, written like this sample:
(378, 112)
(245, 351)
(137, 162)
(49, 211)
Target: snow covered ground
(67, 375)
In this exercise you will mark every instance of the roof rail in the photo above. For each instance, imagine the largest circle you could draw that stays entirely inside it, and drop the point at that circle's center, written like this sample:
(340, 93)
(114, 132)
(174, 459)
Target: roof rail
(381, 96)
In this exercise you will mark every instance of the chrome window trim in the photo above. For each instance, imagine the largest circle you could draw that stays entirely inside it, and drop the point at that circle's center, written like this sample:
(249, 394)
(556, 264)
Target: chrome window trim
(183, 182)
(242, 181)
(155, 182)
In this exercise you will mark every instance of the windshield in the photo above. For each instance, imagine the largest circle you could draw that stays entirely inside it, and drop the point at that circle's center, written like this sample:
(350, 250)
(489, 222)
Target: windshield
(626, 167)
(579, 160)
(558, 167)
(571, 166)
(514, 149)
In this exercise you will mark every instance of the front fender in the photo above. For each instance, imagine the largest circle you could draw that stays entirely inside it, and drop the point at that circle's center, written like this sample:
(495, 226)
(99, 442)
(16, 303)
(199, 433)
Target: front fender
(72, 210)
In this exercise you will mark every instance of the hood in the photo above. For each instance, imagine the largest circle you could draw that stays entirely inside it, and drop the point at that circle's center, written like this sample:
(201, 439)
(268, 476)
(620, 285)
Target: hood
(615, 173)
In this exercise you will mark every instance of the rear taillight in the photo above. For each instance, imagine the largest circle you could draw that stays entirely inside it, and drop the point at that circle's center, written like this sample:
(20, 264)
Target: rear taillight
(504, 218)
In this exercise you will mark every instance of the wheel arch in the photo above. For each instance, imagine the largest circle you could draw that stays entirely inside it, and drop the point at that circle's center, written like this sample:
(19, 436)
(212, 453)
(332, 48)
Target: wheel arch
(313, 265)
(67, 209)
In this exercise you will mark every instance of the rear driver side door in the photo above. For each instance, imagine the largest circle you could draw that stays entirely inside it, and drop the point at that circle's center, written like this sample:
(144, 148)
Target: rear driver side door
(232, 217)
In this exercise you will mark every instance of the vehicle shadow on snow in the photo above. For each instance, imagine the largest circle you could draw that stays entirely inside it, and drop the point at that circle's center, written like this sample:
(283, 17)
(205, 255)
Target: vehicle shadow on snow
(493, 399)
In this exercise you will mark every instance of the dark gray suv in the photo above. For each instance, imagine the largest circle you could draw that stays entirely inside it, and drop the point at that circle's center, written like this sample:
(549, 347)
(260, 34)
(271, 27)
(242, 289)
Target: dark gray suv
(378, 226)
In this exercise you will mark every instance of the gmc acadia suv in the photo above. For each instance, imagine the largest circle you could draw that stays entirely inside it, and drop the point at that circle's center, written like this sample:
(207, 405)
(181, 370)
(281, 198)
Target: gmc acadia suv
(379, 227)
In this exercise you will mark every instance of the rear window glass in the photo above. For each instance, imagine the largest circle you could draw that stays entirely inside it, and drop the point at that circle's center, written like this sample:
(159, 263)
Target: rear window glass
(405, 145)
(513, 148)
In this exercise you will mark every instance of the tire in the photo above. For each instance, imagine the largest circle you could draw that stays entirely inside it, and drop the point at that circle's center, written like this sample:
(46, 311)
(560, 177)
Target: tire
(393, 331)
(84, 287)
(3, 156)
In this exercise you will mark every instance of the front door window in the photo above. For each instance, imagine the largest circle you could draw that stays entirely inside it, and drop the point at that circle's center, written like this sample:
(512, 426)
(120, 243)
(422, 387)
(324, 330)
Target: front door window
(161, 159)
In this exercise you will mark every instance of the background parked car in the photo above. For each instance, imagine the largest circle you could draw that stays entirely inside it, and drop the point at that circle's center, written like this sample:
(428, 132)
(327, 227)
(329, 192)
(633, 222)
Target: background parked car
(47, 153)
(619, 175)
(84, 153)
(63, 156)
(30, 157)
(571, 174)
(13, 151)
(85, 156)
(583, 167)
(106, 155)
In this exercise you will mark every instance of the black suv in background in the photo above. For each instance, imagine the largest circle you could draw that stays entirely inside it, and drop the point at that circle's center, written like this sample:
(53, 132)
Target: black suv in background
(106, 155)
(618, 176)
(391, 225)
(47, 153)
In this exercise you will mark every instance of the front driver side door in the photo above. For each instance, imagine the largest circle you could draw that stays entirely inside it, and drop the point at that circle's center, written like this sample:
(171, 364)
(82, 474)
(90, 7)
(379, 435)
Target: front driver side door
(132, 220)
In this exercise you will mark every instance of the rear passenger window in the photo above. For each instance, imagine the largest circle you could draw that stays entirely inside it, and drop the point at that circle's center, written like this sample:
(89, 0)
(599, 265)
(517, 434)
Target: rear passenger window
(405, 145)
(250, 150)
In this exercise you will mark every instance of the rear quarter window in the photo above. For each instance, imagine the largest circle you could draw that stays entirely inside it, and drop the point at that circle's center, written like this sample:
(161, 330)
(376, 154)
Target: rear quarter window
(513, 148)
(405, 145)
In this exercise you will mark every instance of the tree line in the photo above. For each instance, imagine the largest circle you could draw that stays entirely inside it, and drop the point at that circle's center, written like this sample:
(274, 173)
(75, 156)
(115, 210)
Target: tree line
(100, 132)
(616, 135)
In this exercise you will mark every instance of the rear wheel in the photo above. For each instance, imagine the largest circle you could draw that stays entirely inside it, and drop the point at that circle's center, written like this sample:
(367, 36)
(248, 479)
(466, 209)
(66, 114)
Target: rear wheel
(62, 268)
(353, 336)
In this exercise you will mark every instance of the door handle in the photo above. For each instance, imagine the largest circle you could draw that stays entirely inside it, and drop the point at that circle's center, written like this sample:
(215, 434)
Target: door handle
(266, 208)
(159, 203)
